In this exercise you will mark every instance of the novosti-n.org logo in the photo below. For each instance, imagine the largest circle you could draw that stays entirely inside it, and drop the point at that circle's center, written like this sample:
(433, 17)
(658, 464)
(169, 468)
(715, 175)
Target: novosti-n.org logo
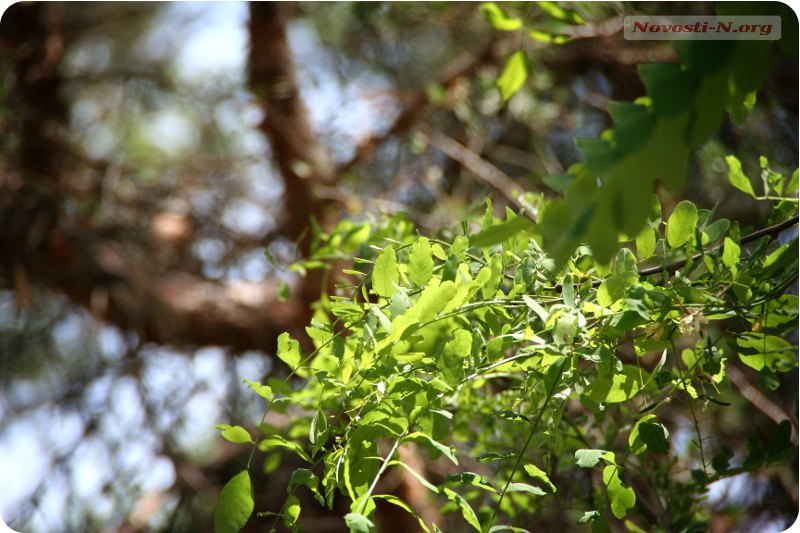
(712, 28)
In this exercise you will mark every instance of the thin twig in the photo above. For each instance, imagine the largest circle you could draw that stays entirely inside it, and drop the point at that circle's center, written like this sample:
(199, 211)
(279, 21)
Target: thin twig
(761, 402)
(478, 166)
(772, 231)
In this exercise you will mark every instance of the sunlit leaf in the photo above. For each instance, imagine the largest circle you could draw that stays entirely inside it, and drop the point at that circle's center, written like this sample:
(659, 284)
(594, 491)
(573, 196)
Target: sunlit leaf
(737, 177)
(620, 493)
(539, 474)
(420, 261)
(514, 75)
(289, 350)
(385, 273)
(235, 434)
(498, 18)
(501, 232)
(235, 504)
(466, 511)
(681, 224)
(358, 523)
(589, 458)
(564, 15)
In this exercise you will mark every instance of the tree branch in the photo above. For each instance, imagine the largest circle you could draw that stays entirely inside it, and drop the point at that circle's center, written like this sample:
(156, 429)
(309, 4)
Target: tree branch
(672, 267)
(478, 166)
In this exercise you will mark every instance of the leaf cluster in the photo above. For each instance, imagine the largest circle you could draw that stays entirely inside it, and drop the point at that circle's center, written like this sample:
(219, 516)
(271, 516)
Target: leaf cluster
(478, 348)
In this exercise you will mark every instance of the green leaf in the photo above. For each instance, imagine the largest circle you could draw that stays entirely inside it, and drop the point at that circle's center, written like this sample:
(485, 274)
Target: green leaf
(431, 444)
(403, 505)
(589, 458)
(454, 357)
(568, 291)
(780, 258)
(681, 224)
(730, 254)
(741, 106)
(780, 447)
(291, 510)
(429, 304)
(508, 528)
(514, 75)
(385, 273)
(538, 309)
(498, 18)
(564, 15)
(289, 351)
(655, 436)
(466, 511)
(262, 390)
(235, 504)
(302, 476)
(716, 230)
(601, 525)
(558, 182)
(620, 493)
(470, 478)
(626, 262)
(283, 293)
(277, 440)
(319, 425)
(759, 350)
(794, 182)
(420, 261)
(358, 523)
(670, 87)
(635, 442)
(768, 380)
(536, 473)
(545, 37)
(524, 487)
(613, 288)
(501, 232)
(737, 177)
(634, 125)
(235, 434)
(557, 234)
(646, 242)
(720, 462)
(616, 388)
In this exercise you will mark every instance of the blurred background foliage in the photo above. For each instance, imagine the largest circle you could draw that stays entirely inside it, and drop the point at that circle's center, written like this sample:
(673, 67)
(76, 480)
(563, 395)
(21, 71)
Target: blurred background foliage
(151, 152)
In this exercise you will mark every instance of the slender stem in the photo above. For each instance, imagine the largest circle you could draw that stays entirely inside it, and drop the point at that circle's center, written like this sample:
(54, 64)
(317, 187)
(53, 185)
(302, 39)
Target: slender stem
(527, 443)
(691, 406)
(772, 230)
(382, 469)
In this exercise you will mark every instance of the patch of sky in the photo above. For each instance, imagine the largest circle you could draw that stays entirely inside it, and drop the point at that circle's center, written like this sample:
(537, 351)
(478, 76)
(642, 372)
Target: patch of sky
(90, 57)
(210, 250)
(206, 39)
(195, 434)
(68, 332)
(345, 110)
(171, 131)
(263, 182)
(248, 218)
(53, 505)
(20, 477)
(66, 428)
(100, 141)
(251, 267)
(209, 368)
(111, 343)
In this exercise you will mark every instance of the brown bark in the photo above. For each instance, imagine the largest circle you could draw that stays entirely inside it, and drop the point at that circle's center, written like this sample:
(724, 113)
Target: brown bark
(41, 244)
